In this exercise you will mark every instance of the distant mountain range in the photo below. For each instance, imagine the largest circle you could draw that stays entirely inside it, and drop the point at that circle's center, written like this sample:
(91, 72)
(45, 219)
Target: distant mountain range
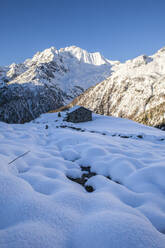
(135, 90)
(50, 79)
(53, 78)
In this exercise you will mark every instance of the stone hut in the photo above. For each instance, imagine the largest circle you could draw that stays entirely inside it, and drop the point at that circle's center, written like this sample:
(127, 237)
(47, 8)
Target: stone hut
(78, 114)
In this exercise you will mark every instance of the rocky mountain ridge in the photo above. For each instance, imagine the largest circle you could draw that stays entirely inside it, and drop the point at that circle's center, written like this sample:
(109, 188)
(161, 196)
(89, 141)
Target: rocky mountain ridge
(135, 90)
(51, 79)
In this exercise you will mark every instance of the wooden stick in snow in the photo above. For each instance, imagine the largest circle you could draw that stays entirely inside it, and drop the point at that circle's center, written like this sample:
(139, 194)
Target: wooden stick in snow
(19, 157)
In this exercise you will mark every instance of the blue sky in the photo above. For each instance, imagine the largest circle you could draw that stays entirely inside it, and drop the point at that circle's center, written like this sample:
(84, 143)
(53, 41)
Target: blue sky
(118, 29)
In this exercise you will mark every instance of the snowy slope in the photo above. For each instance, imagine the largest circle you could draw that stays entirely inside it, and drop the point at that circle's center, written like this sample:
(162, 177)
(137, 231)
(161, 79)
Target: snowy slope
(3, 77)
(135, 90)
(41, 205)
(50, 79)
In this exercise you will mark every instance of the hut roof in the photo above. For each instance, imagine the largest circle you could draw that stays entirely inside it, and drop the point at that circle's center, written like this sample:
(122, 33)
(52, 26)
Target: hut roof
(75, 108)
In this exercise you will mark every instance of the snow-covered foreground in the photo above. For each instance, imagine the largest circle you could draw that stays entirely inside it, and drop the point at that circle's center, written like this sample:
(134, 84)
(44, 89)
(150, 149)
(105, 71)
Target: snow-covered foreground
(42, 207)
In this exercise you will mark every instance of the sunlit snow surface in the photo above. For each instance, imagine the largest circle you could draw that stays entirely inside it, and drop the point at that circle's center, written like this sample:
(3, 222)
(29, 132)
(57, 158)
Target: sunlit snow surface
(41, 208)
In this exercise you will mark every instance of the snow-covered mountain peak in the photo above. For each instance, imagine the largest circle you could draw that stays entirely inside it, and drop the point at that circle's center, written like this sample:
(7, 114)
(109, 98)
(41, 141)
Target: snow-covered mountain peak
(138, 61)
(45, 56)
(85, 57)
(162, 50)
(142, 65)
(69, 54)
(50, 79)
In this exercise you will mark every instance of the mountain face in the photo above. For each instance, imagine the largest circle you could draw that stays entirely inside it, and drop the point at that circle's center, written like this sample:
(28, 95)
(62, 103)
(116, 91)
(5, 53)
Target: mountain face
(135, 90)
(50, 79)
